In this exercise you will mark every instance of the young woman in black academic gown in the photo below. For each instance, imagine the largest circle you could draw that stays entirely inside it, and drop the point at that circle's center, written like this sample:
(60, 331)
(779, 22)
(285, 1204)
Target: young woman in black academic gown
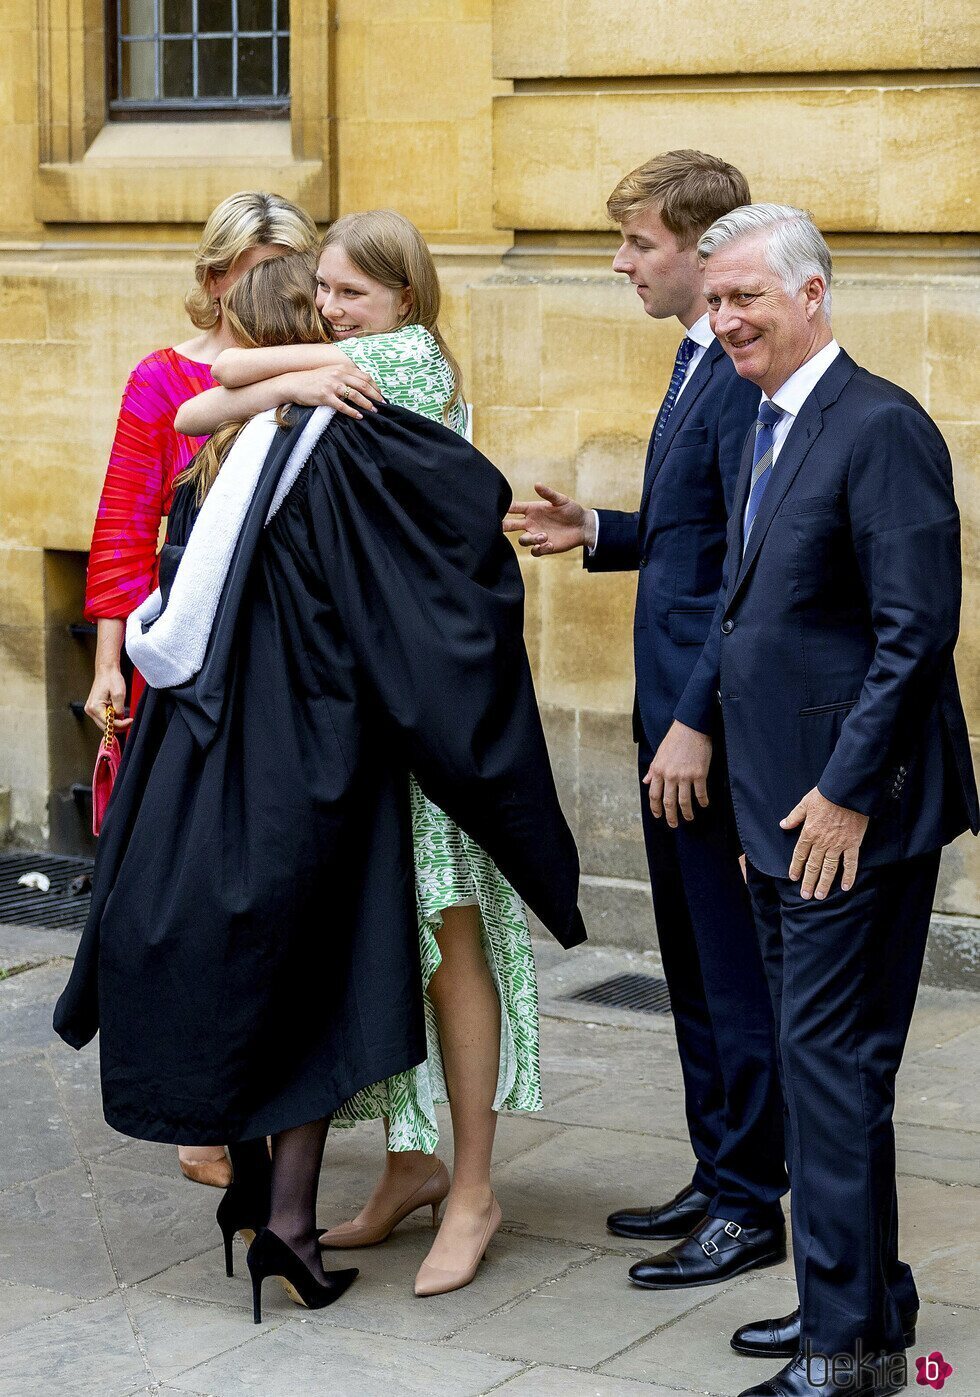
(371, 628)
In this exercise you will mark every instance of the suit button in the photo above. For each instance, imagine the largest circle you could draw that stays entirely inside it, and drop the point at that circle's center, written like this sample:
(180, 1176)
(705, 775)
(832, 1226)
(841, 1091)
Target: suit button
(727, 627)
(643, 562)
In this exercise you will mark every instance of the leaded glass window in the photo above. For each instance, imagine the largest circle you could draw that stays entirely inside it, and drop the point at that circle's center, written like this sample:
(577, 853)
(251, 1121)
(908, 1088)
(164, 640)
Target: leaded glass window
(199, 55)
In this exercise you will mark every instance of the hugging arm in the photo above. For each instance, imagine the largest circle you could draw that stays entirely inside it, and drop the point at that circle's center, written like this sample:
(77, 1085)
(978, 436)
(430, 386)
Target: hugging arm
(236, 367)
(342, 386)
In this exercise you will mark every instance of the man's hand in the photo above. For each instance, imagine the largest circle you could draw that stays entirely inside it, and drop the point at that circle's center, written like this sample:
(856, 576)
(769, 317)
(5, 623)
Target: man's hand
(679, 773)
(552, 525)
(830, 834)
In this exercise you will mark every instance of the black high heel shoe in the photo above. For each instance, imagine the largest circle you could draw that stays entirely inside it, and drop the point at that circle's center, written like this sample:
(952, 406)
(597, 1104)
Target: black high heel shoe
(270, 1256)
(242, 1209)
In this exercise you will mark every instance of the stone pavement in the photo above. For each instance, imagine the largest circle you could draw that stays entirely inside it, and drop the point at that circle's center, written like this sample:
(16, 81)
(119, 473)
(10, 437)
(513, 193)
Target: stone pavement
(112, 1282)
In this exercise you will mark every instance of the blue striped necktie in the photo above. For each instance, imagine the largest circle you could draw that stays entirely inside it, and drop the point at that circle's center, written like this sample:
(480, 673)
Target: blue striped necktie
(685, 351)
(769, 415)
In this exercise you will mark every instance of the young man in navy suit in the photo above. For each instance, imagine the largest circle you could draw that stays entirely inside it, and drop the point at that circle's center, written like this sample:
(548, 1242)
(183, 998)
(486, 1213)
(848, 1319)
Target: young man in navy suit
(729, 1216)
(849, 763)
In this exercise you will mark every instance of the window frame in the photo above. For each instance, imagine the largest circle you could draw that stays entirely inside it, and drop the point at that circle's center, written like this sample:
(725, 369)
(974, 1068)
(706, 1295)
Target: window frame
(193, 108)
(92, 169)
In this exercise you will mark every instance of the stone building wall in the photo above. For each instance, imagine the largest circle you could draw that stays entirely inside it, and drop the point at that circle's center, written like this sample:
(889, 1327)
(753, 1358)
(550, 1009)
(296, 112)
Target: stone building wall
(499, 126)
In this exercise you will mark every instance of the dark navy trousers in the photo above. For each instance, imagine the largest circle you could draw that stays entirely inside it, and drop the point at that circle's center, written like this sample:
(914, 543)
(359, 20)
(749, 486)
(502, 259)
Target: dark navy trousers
(721, 1005)
(844, 974)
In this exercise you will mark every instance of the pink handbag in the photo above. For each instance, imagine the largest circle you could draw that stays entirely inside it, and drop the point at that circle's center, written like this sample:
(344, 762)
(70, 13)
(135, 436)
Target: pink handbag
(106, 766)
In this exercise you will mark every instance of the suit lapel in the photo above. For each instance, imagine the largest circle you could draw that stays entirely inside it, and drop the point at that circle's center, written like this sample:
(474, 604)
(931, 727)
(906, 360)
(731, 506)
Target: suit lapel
(807, 427)
(699, 380)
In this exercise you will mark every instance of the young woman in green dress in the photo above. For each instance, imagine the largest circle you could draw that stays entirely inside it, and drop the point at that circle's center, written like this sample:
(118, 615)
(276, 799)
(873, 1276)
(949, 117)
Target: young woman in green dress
(378, 293)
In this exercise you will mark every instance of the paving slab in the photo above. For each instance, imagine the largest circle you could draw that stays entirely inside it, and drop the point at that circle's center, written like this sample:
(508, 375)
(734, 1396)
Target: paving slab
(112, 1269)
(928, 1094)
(77, 1076)
(632, 1051)
(33, 945)
(27, 1002)
(50, 1235)
(179, 1335)
(301, 1358)
(152, 1221)
(955, 1331)
(87, 1352)
(547, 1324)
(382, 1299)
(592, 1172)
(949, 1156)
(38, 1138)
(23, 1304)
(940, 1015)
(938, 1226)
(640, 1107)
(955, 1054)
(694, 1352)
(568, 1382)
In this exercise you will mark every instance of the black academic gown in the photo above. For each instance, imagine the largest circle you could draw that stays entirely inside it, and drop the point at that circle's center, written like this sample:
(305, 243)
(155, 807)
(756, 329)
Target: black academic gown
(251, 958)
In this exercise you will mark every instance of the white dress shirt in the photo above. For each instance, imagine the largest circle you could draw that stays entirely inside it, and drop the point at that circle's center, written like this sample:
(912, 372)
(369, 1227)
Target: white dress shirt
(700, 333)
(795, 391)
(793, 394)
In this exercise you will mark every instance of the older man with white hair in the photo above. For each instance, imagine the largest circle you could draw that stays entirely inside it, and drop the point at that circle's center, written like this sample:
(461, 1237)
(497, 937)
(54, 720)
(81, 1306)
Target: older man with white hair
(849, 762)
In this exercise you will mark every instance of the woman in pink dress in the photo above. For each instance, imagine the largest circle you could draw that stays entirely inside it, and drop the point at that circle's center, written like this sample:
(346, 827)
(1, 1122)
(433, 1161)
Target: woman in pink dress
(148, 454)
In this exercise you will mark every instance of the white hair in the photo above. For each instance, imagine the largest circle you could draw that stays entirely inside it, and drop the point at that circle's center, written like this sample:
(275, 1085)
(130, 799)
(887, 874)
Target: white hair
(795, 249)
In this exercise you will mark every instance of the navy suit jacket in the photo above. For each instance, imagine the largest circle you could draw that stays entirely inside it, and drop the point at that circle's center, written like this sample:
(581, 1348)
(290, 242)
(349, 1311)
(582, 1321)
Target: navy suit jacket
(833, 640)
(676, 539)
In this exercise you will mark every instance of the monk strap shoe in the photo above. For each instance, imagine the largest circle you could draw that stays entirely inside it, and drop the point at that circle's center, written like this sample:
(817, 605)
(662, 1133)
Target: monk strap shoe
(780, 1338)
(815, 1376)
(713, 1252)
(663, 1224)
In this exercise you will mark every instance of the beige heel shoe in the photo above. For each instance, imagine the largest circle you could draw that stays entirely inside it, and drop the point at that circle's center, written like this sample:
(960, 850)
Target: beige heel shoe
(431, 1194)
(216, 1173)
(431, 1280)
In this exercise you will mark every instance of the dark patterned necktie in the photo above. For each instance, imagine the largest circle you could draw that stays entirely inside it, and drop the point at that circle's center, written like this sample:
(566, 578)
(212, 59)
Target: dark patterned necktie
(769, 415)
(685, 351)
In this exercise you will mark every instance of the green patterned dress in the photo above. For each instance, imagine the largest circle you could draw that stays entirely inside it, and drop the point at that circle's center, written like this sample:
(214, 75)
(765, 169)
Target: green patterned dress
(450, 869)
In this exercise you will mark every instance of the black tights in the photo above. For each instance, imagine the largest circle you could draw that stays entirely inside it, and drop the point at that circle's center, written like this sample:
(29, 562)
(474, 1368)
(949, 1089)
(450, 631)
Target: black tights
(289, 1184)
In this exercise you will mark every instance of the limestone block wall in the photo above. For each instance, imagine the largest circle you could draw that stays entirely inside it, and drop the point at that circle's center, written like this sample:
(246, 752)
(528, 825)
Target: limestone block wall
(499, 126)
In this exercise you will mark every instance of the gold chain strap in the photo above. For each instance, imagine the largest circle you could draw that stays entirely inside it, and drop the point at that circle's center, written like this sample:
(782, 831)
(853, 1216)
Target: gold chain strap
(110, 725)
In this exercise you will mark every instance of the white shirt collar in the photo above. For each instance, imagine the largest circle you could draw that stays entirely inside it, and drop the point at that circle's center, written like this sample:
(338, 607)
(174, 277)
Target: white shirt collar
(700, 332)
(794, 392)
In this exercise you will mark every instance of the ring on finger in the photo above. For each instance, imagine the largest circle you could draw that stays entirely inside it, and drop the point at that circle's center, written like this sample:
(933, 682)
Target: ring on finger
(347, 394)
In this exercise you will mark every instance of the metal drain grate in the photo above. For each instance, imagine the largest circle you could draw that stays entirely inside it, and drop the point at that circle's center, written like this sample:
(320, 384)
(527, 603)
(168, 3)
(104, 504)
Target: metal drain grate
(59, 909)
(643, 993)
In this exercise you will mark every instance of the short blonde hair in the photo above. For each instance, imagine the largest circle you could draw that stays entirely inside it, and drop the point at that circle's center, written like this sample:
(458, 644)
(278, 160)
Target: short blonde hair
(690, 189)
(239, 223)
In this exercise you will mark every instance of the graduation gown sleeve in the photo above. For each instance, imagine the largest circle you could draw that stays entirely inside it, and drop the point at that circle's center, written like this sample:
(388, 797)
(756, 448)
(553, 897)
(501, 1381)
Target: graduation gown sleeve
(406, 525)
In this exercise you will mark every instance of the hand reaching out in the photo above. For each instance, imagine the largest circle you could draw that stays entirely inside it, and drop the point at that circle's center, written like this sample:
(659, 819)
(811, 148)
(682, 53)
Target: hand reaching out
(553, 524)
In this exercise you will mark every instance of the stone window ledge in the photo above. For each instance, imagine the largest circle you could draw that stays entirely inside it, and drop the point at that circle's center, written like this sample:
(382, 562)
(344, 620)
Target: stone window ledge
(175, 172)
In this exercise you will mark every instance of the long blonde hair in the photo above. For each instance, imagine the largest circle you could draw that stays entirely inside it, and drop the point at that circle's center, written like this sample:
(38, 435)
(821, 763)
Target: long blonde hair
(239, 223)
(273, 303)
(387, 247)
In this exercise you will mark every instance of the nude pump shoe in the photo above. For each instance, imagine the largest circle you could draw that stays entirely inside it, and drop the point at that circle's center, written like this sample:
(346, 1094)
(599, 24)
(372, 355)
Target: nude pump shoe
(431, 1280)
(431, 1193)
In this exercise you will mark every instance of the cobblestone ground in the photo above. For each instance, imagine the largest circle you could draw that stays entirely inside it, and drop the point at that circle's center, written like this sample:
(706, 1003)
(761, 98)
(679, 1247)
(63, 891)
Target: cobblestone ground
(112, 1282)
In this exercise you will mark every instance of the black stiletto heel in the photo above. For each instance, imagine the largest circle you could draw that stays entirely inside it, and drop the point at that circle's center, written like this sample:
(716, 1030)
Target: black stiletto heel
(270, 1256)
(244, 1210)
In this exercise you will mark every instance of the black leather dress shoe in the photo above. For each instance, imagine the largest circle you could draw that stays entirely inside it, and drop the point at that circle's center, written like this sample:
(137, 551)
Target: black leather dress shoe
(780, 1338)
(673, 1219)
(715, 1251)
(878, 1377)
